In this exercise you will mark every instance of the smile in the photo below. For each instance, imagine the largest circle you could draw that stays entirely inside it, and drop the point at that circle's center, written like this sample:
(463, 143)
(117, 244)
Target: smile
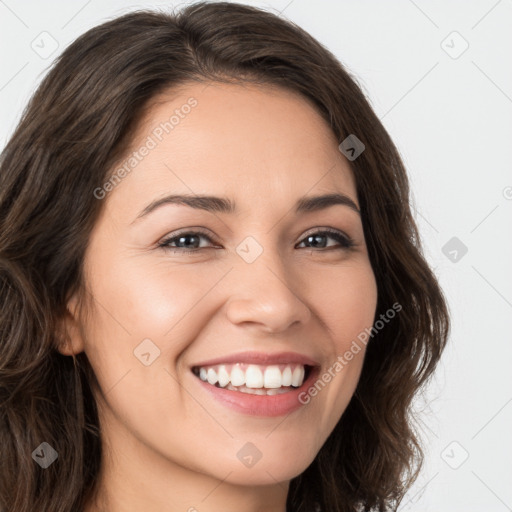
(253, 378)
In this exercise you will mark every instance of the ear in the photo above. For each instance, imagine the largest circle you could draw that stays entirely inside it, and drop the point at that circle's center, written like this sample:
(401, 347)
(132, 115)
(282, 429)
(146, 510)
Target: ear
(69, 336)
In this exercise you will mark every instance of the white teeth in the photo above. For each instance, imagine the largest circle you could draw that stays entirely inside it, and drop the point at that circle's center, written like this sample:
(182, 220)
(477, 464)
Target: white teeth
(237, 376)
(298, 376)
(250, 377)
(272, 377)
(253, 377)
(211, 375)
(223, 376)
(286, 379)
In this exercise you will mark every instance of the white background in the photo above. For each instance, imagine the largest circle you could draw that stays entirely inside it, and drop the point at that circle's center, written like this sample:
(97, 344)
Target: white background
(451, 119)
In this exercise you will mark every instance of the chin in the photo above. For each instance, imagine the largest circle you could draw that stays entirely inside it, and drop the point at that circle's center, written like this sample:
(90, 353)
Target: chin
(265, 471)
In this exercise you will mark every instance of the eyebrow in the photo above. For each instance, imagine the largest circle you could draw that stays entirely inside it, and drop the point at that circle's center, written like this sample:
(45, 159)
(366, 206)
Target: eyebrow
(216, 204)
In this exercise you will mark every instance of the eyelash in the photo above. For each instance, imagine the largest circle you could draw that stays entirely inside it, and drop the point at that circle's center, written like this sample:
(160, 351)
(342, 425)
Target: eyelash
(345, 242)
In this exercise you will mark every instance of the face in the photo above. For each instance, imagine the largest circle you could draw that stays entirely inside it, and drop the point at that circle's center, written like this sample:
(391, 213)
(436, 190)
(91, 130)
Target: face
(271, 290)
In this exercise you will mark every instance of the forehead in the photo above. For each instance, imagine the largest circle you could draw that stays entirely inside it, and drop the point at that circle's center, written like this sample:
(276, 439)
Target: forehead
(260, 145)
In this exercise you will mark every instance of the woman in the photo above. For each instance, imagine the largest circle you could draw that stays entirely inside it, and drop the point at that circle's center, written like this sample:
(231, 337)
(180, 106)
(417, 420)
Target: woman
(214, 295)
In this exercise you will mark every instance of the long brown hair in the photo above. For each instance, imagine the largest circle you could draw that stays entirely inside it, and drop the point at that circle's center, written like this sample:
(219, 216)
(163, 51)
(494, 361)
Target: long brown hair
(76, 126)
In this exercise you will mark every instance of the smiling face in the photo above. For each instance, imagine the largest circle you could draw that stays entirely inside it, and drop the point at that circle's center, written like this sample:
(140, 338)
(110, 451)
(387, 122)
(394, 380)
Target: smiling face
(264, 278)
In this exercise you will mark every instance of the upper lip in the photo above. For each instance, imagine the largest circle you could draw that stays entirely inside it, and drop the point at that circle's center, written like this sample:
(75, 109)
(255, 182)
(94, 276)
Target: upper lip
(260, 358)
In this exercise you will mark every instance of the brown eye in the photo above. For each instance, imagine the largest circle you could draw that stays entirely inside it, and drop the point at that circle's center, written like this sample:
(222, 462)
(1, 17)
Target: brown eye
(183, 243)
(189, 241)
(316, 239)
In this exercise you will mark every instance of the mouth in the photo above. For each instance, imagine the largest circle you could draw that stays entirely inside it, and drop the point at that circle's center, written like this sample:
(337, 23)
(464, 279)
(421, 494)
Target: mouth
(258, 383)
(255, 379)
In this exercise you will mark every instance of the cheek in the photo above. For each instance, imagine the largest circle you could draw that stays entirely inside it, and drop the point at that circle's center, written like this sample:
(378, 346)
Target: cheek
(345, 299)
(155, 301)
(346, 302)
(146, 314)
(146, 310)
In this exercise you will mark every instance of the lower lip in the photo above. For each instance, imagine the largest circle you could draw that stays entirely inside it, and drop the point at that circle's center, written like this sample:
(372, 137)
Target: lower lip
(261, 405)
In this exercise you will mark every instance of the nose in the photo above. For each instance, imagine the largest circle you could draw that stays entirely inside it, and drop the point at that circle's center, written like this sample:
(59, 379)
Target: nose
(266, 294)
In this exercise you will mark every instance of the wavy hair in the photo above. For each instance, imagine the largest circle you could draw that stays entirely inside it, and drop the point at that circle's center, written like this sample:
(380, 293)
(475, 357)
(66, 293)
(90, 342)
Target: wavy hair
(75, 128)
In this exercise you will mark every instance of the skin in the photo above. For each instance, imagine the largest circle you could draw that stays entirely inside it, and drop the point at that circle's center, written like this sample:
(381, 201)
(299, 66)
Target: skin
(168, 445)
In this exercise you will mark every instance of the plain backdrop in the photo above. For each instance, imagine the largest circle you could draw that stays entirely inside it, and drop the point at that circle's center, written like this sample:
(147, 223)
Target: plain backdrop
(438, 75)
